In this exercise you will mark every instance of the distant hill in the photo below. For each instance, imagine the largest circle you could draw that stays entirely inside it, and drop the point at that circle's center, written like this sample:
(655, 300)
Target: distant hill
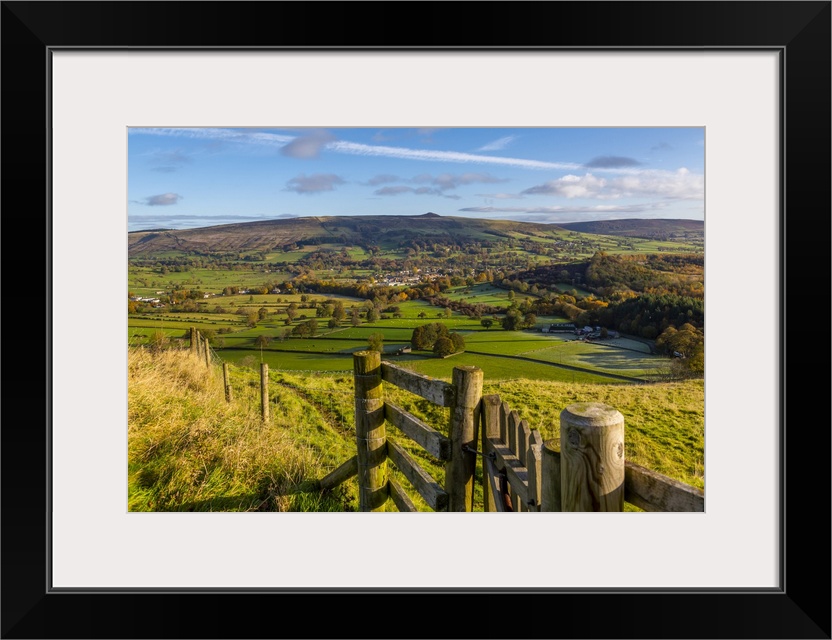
(377, 230)
(385, 231)
(639, 228)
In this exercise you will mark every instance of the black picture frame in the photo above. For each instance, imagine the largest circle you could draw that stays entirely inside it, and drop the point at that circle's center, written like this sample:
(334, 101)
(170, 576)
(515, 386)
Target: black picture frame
(800, 608)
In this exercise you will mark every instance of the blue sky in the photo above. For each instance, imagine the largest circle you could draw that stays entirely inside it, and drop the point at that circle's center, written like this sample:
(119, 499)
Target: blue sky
(195, 177)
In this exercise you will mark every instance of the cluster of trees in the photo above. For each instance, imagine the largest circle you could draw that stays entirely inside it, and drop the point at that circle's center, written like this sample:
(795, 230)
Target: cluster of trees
(687, 345)
(649, 315)
(607, 274)
(515, 319)
(306, 329)
(564, 304)
(472, 310)
(435, 336)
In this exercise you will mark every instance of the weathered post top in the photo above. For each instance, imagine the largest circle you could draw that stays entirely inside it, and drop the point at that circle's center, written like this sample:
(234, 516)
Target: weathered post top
(593, 414)
(592, 457)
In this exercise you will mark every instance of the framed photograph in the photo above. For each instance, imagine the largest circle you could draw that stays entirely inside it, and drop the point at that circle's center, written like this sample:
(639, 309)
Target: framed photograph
(92, 87)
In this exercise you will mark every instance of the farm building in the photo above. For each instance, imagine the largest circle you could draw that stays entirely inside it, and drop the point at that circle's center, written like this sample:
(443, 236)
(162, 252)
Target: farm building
(559, 326)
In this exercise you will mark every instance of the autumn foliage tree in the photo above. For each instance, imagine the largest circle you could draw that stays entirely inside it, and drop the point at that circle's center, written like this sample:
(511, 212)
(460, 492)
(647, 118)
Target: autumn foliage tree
(687, 345)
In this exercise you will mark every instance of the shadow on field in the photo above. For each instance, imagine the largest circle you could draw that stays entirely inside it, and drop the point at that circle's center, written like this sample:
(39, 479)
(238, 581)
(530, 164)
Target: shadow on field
(261, 501)
(239, 502)
(620, 361)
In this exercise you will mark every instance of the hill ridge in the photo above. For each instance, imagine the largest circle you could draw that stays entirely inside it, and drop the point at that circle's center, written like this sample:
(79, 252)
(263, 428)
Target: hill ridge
(278, 233)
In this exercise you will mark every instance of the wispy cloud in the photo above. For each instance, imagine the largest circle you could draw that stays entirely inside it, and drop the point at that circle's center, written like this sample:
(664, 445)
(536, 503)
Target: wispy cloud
(244, 136)
(393, 191)
(499, 144)
(440, 184)
(662, 146)
(219, 137)
(384, 178)
(315, 183)
(562, 214)
(160, 200)
(177, 156)
(419, 191)
(169, 161)
(307, 146)
(430, 155)
(679, 185)
(446, 181)
(500, 196)
(427, 131)
(186, 221)
(612, 162)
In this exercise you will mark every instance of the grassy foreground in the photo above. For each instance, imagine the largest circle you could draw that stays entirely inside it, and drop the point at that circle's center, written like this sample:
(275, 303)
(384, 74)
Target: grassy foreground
(190, 450)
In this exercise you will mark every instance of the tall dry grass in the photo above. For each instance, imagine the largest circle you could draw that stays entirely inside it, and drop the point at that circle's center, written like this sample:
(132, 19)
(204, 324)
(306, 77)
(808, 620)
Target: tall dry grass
(189, 450)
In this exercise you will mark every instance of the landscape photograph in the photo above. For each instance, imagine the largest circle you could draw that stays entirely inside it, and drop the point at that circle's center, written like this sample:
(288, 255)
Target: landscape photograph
(416, 319)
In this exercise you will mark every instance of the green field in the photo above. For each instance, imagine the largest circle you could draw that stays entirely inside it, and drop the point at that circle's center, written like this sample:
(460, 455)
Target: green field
(485, 293)
(496, 368)
(501, 354)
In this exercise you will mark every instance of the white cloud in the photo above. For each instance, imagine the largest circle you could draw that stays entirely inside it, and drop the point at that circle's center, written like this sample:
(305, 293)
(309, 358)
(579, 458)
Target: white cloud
(679, 185)
(497, 145)
(430, 155)
(571, 186)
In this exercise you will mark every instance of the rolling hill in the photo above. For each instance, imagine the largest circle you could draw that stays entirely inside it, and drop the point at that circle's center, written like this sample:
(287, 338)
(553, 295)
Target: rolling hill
(640, 228)
(379, 230)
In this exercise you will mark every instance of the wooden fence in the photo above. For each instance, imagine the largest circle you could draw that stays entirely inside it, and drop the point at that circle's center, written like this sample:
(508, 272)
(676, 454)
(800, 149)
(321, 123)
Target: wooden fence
(521, 472)
(375, 449)
(583, 470)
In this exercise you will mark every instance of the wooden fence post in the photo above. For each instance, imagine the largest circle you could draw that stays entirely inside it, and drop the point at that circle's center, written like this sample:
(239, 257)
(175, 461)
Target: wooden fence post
(200, 346)
(550, 477)
(592, 458)
(370, 432)
(226, 382)
(193, 341)
(465, 417)
(513, 422)
(490, 429)
(264, 391)
(534, 464)
(207, 352)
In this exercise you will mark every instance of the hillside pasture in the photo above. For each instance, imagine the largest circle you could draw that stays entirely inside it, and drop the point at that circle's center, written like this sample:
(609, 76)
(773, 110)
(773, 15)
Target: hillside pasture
(145, 281)
(601, 358)
(485, 293)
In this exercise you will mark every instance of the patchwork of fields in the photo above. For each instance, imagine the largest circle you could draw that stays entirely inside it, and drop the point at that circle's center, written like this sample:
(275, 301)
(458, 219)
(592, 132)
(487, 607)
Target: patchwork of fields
(501, 354)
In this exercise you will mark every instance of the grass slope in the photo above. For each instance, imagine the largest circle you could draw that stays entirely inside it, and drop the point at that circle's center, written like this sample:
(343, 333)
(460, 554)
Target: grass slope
(189, 450)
